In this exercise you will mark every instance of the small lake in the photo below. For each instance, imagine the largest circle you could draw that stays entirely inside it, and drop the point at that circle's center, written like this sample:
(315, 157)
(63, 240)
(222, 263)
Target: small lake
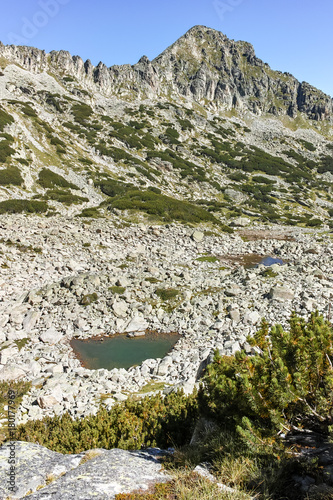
(251, 260)
(120, 351)
(269, 261)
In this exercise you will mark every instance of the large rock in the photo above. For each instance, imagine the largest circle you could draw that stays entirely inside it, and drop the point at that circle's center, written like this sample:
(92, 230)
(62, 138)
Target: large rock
(7, 353)
(101, 475)
(240, 222)
(51, 336)
(197, 236)
(34, 464)
(281, 293)
(252, 317)
(232, 290)
(234, 195)
(120, 308)
(164, 366)
(30, 320)
(136, 324)
(47, 401)
(34, 368)
(123, 282)
(11, 372)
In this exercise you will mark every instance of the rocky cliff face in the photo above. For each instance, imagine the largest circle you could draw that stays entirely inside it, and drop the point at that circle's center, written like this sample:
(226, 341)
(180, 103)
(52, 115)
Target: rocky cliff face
(203, 65)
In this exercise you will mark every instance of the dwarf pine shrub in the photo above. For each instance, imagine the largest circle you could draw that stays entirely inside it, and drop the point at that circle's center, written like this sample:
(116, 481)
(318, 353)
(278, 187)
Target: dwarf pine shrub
(287, 384)
(151, 421)
(5, 119)
(5, 147)
(11, 176)
(49, 179)
(82, 113)
(17, 206)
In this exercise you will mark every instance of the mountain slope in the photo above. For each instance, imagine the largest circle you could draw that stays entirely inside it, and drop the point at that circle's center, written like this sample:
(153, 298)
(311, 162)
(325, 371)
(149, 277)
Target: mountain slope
(204, 132)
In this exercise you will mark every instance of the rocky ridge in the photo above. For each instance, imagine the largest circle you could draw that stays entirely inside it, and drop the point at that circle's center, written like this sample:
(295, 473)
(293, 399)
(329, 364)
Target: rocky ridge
(213, 127)
(203, 65)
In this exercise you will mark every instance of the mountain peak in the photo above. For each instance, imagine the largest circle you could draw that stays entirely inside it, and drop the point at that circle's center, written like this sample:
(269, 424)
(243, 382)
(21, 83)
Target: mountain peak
(203, 65)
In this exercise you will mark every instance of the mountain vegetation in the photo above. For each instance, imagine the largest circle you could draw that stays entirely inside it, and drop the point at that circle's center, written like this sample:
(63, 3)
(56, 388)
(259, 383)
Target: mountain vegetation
(203, 135)
(207, 129)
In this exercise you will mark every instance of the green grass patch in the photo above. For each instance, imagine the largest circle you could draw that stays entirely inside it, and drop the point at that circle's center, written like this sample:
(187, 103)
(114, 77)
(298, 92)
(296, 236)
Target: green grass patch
(82, 113)
(88, 299)
(151, 279)
(118, 290)
(152, 386)
(308, 145)
(262, 180)
(65, 197)
(326, 165)
(55, 141)
(73, 127)
(268, 273)
(186, 168)
(29, 111)
(167, 293)
(23, 161)
(92, 212)
(21, 343)
(207, 258)
(85, 161)
(6, 151)
(159, 205)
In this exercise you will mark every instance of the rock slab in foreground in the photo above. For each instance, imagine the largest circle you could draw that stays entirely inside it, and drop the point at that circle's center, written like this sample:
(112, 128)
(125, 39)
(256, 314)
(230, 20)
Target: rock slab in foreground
(104, 474)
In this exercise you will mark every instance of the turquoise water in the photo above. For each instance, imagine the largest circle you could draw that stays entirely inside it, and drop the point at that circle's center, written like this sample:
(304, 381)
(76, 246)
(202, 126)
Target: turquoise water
(121, 351)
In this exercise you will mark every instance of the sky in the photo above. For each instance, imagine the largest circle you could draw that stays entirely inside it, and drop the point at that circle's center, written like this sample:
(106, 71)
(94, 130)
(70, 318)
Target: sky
(290, 35)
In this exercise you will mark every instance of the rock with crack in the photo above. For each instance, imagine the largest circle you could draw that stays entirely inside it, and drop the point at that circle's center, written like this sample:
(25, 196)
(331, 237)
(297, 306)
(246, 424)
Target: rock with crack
(136, 325)
(95, 474)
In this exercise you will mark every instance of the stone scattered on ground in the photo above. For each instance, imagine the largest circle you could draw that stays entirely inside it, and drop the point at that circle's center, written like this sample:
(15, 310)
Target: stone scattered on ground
(215, 302)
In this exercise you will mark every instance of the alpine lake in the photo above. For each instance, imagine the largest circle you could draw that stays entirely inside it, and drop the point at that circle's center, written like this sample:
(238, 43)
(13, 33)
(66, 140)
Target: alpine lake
(122, 351)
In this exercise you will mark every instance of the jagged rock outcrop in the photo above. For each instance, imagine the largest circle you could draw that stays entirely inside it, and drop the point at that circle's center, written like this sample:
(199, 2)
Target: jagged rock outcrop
(203, 65)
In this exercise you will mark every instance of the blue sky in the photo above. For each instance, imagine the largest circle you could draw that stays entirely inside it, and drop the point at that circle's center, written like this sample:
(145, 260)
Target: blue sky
(290, 35)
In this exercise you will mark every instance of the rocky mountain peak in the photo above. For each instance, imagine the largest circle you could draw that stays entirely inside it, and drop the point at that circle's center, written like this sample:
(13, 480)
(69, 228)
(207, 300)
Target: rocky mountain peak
(203, 65)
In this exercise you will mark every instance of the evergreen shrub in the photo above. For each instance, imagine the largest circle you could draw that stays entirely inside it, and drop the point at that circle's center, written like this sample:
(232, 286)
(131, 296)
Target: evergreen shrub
(5, 147)
(5, 119)
(162, 206)
(151, 421)
(17, 206)
(48, 179)
(287, 384)
(82, 113)
(11, 176)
